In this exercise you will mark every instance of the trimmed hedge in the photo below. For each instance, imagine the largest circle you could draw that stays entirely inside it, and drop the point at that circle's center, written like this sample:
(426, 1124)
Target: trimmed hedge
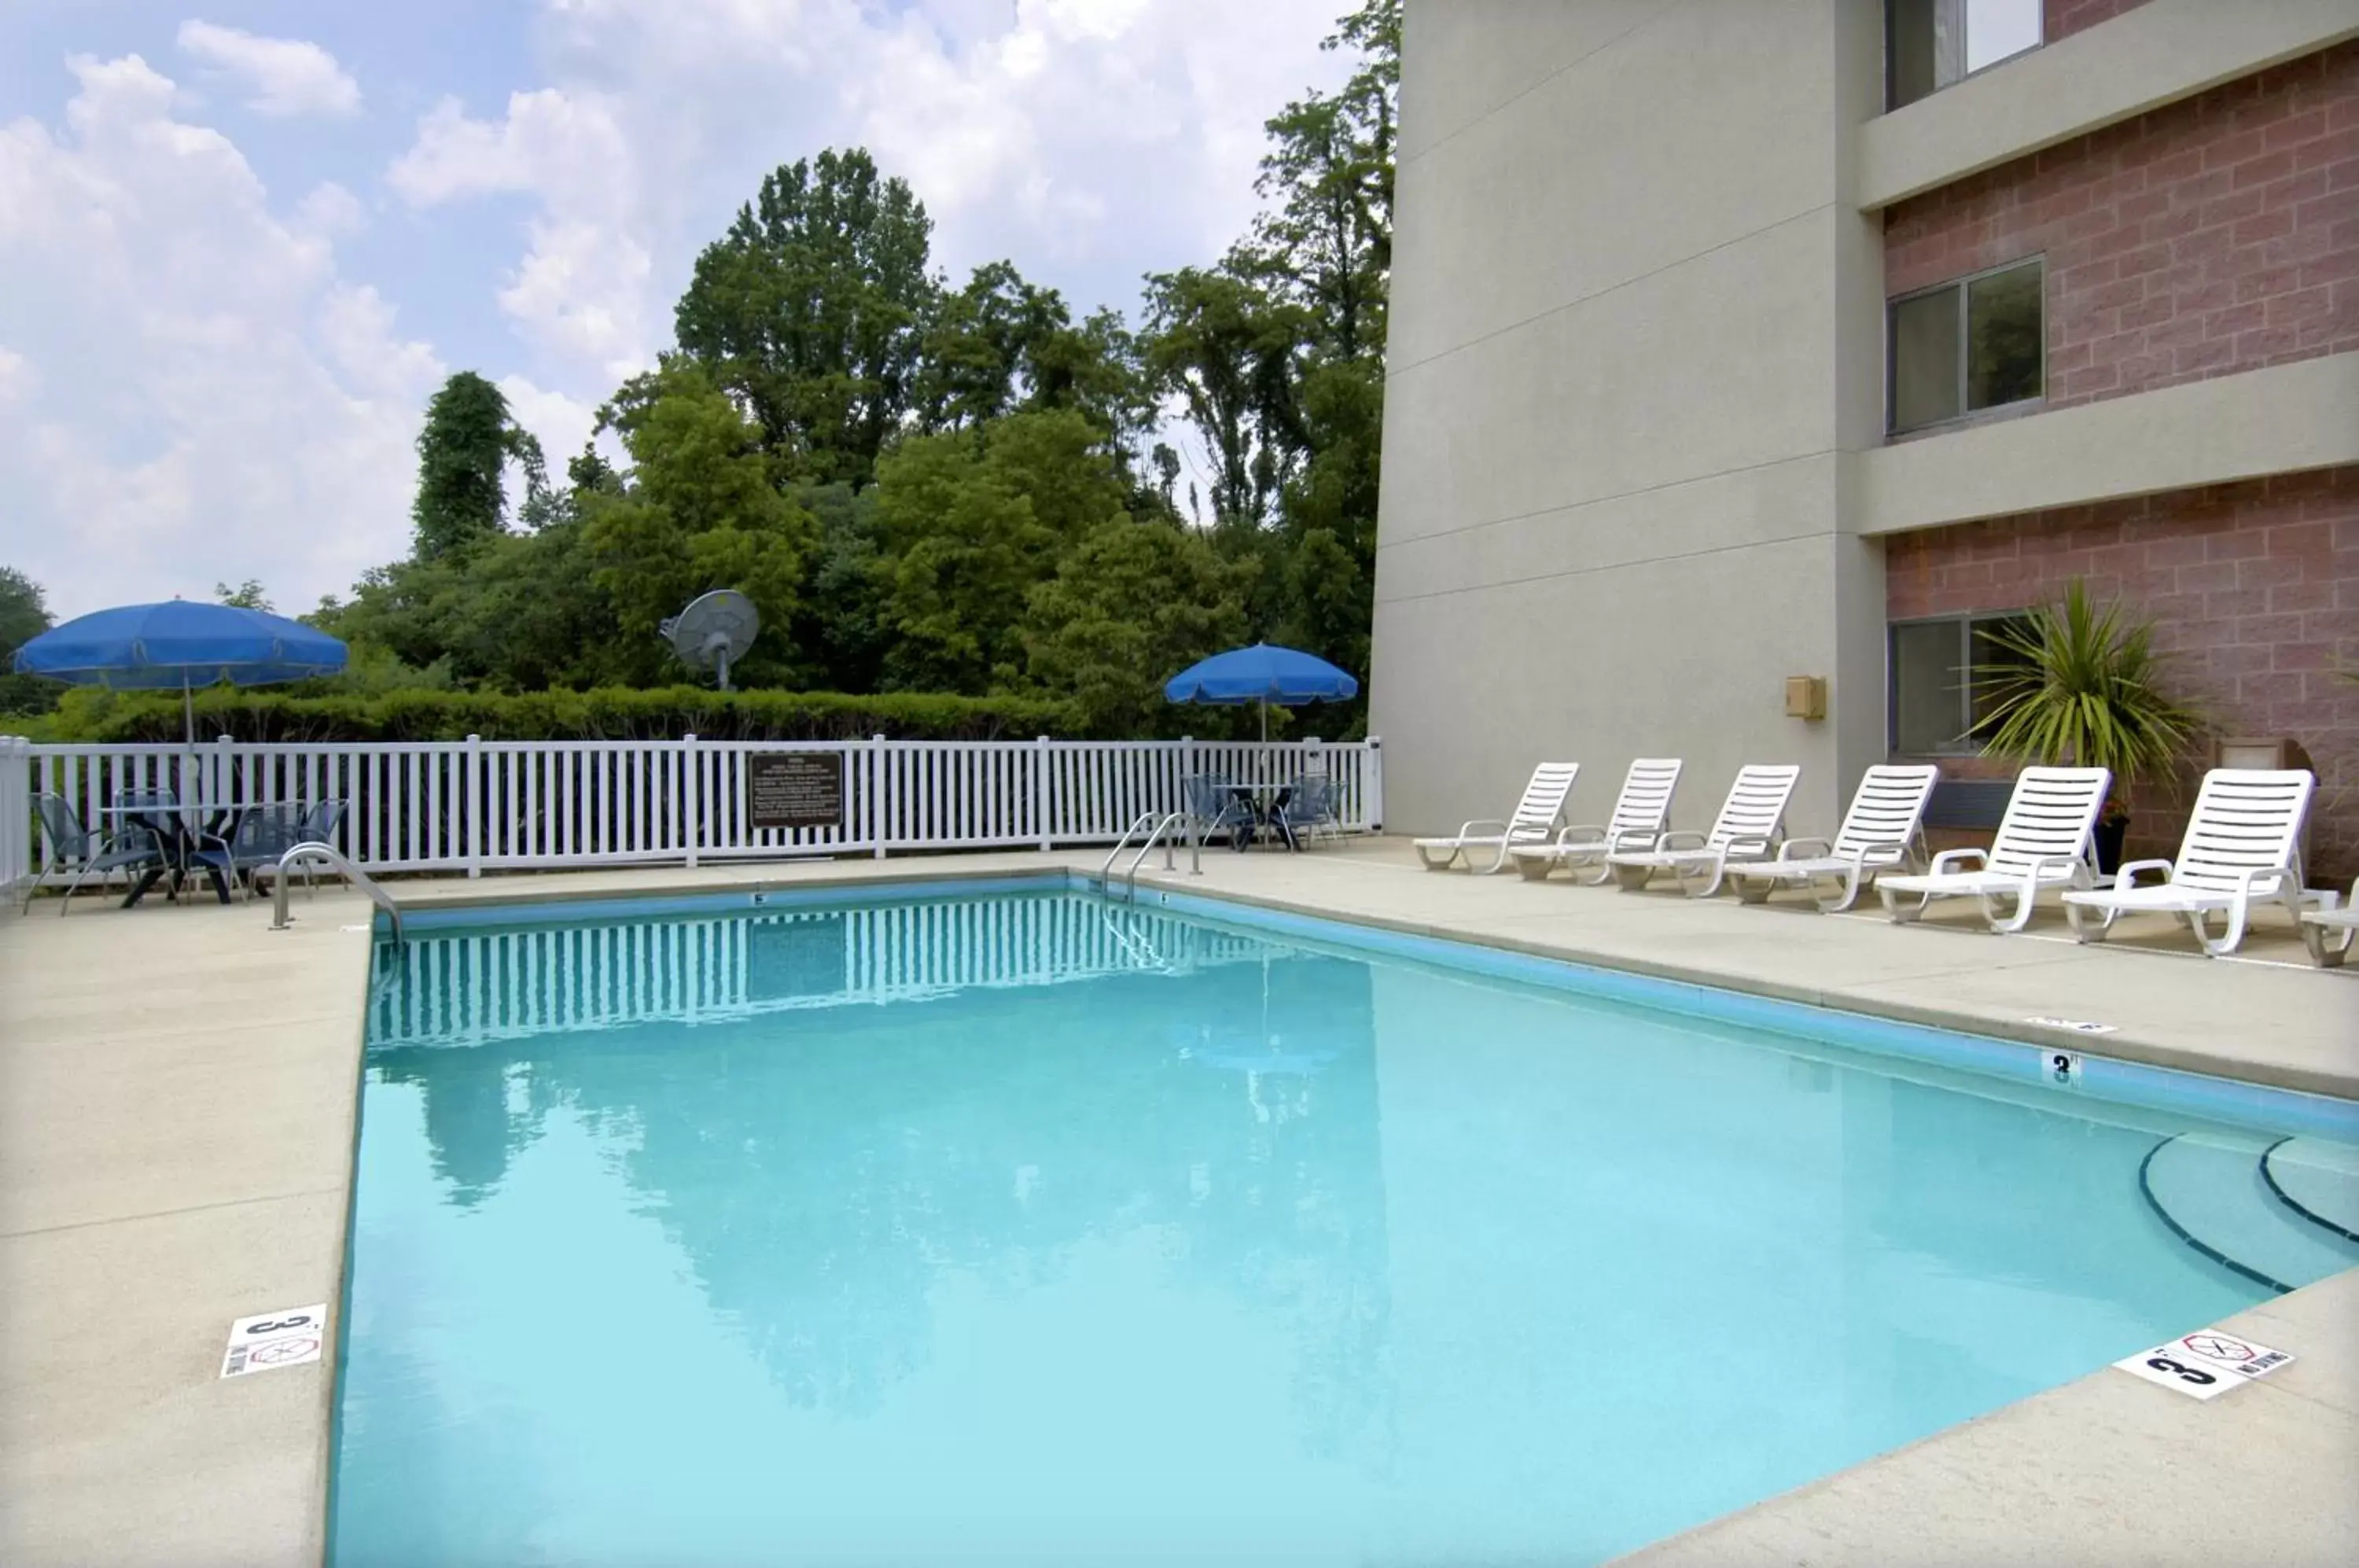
(608, 713)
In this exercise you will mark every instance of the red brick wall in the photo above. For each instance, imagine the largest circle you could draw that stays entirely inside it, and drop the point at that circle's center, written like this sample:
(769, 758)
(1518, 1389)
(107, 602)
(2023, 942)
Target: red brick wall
(2214, 236)
(2061, 18)
(2254, 588)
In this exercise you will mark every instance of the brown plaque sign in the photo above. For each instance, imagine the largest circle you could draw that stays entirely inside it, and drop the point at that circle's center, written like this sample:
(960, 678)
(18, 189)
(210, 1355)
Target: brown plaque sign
(795, 788)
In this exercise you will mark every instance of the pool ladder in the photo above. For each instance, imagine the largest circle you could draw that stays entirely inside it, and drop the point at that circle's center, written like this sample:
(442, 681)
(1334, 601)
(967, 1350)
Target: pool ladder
(1157, 831)
(315, 851)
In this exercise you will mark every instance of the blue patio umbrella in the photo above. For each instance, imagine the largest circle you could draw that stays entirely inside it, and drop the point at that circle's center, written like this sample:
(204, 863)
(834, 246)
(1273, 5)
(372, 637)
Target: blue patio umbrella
(179, 644)
(1264, 673)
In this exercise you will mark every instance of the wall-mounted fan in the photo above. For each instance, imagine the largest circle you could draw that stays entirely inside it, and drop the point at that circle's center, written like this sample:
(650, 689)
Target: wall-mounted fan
(715, 631)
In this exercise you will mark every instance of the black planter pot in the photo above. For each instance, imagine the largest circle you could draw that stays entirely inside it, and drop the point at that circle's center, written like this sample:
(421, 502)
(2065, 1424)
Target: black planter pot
(2109, 844)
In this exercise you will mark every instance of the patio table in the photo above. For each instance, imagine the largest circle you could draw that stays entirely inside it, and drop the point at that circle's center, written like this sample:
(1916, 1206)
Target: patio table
(175, 827)
(1269, 808)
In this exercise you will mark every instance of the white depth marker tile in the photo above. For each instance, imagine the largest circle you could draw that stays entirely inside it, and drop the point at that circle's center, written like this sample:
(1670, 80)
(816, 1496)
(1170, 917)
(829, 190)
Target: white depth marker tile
(2205, 1364)
(267, 1341)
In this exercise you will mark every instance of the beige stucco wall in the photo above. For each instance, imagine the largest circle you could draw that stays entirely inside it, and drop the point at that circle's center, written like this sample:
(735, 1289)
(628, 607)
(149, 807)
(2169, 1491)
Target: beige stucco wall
(1633, 344)
(2284, 419)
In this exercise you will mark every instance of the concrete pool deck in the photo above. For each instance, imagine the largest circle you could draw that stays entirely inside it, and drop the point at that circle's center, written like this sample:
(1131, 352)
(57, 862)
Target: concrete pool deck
(178, 1091)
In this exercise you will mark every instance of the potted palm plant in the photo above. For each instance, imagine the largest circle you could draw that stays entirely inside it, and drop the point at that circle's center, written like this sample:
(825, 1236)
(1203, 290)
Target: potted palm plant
(2082, 686)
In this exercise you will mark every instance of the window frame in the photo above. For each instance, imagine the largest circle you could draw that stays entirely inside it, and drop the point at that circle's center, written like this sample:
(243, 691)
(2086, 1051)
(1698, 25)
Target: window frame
(1892, 54)
(1963, 742)
(1963, 285)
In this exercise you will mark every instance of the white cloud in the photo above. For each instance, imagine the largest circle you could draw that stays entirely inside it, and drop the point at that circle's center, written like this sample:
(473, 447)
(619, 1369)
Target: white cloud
(1086, 139)
(279, 76)
(580, 291)
(17, 377)
(234, 408)
(329, 211)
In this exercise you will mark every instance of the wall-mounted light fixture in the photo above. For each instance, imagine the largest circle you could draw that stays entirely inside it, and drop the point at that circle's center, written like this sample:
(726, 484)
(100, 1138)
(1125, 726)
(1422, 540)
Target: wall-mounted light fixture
(1806, 696)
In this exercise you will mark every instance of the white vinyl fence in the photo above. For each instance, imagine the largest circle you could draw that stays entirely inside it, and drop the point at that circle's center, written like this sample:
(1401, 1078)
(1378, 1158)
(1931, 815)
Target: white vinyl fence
(478, 805)
(18, 849)
(470, 987)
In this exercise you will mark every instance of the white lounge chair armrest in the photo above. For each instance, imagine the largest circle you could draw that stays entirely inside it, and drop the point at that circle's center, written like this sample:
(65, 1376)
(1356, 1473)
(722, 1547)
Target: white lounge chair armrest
(1583, 833)
(1740, 847)
(1481, 822)
(1634, 841)
(1954, 860)
(2257, 874)
(2047, 863)
(1682, 838)
(2127, 876)
(1899, 849)
(1804, 848)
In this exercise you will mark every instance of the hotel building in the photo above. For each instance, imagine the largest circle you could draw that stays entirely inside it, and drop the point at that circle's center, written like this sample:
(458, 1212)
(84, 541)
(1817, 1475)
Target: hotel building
(1740, 340)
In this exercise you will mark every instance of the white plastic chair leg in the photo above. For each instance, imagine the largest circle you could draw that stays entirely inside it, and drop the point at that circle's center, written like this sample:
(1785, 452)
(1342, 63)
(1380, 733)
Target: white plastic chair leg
(1850, 895)
(2090, 925)
(2016, 919)
(1902, 913)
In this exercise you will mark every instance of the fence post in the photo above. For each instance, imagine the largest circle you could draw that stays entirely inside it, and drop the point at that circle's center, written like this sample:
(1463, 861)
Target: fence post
(1041, 781)
(692, 790)
(1372, 790)
(219, 788)
(471, 801)
(880, 793)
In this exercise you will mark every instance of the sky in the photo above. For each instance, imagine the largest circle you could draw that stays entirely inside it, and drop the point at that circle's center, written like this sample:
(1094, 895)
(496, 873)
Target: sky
(241, 244)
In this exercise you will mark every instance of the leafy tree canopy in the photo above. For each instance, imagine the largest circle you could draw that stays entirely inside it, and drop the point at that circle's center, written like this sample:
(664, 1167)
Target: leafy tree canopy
(813, 308)
(463, 451)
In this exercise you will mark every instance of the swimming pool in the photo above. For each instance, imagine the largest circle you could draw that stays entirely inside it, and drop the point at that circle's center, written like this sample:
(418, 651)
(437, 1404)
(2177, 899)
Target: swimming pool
(1017, 1226)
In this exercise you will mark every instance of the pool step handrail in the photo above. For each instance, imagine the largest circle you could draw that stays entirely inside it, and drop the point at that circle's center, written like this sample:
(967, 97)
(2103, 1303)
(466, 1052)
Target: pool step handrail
(1195, 852)
(335, 859)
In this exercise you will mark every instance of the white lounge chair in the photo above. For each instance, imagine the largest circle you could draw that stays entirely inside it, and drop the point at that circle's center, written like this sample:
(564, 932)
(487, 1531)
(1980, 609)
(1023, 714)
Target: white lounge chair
(1536, 819)
(2043, 842)
(2328, 950)
(1637, 822)
(1748, 828)
(2240, 846)
(1883, 831)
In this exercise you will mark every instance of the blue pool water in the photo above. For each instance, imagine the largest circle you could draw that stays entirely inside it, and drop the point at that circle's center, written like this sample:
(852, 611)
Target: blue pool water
(1029, 1229)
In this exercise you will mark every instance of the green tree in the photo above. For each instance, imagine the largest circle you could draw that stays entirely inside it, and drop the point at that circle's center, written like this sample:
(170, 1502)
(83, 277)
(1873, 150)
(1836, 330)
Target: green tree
(464, 450)
(247, 595)
(969, 525)
(697, 512)
(1326, 241)
(813, 308)
(23, 616)
(1000, 346)
(1227, 347)
(1131, 605)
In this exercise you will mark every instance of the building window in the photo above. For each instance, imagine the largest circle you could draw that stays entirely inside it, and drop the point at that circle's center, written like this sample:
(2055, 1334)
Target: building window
(1941, 681)
(1976, 344)
(1930, 44)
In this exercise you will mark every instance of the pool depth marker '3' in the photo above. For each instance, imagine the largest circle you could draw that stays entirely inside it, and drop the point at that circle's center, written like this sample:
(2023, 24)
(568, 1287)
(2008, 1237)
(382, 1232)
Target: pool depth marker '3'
(2206, 1364)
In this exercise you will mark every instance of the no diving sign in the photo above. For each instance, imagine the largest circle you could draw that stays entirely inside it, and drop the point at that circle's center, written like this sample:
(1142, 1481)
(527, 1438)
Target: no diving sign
(2204, 1365)
(267, 1341)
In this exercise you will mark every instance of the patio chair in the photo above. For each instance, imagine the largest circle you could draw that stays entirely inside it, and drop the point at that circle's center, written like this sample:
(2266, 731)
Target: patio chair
(1640, 814)
(2242, 845)
(70, 845)
(1310, 809)
(1537, 817)
(258, 836)
(2043, 842)
(1884, 829)
(2328, 951)
(1216, 806)
(1750, 822)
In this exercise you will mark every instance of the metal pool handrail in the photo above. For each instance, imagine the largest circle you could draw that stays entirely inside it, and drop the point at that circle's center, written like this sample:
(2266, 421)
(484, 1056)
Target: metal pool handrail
(281, 921)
